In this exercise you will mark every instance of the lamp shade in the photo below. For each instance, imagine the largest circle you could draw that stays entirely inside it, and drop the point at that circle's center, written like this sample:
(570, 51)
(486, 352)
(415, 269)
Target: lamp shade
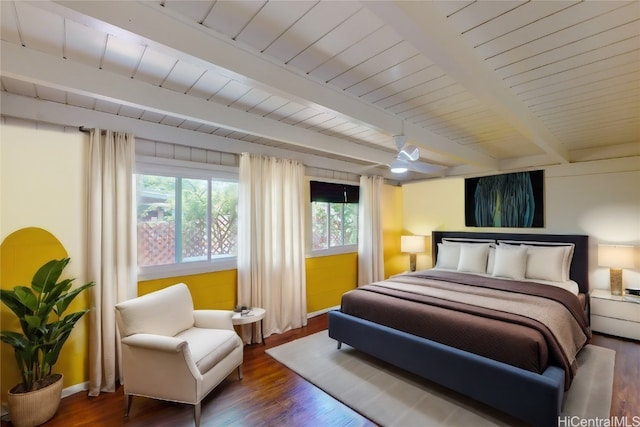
(412, 244)
(615, 256)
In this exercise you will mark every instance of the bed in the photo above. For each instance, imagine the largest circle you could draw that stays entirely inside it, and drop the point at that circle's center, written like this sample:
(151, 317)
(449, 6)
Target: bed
(429, 322)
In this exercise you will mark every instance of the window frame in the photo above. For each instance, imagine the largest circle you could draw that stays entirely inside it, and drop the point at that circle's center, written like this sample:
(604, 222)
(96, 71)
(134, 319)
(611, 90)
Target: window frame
(189, 170)
(335, 250)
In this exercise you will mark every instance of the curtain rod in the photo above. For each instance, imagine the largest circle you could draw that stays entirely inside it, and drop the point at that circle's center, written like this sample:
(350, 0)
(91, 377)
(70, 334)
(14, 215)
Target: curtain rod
(87, 130)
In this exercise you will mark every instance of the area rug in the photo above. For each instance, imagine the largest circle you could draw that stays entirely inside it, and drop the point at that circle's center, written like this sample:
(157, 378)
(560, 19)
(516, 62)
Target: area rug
(390, 396)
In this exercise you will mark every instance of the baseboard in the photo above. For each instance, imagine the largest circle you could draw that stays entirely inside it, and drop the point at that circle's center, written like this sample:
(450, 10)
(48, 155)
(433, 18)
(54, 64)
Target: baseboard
(68, 391)
(323, 311)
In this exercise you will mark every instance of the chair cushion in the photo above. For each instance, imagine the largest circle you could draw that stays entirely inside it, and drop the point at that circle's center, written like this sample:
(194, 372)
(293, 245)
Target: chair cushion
(167, 312)
(209, 346)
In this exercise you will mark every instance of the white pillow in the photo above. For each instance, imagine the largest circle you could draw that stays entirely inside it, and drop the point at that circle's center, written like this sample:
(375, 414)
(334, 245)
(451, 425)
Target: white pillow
(568, 253)
(510, 262)
(546, 262)
(491, 259)
(448, 256)
(473, 258)
(566, 264)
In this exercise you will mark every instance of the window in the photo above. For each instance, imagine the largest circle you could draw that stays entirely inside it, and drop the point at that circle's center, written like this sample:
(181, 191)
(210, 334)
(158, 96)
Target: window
(334, 215)
(185, 220)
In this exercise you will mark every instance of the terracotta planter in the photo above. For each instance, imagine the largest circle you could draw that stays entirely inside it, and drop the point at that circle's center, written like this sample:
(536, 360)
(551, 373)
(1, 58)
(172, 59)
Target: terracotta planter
(35, 407)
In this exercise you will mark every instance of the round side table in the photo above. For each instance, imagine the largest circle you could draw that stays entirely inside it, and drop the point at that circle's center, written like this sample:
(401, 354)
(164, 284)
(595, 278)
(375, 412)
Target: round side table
(254, 315)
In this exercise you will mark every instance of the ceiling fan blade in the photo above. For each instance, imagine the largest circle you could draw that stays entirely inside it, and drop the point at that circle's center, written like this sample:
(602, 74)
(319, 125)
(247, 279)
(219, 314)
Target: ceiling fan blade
(410, 152)
(399, 141)
(369, 169)
(422, 167)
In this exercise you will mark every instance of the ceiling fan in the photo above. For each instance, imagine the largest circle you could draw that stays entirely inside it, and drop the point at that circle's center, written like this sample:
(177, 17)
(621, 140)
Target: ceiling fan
(407, 158)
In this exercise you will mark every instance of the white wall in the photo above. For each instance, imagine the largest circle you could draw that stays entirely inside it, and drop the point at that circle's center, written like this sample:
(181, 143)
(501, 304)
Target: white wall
(600, 199)
(42, 184)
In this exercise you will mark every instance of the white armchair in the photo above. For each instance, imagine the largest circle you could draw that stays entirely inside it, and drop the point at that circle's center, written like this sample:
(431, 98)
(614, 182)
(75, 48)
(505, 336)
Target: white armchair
(171, 351)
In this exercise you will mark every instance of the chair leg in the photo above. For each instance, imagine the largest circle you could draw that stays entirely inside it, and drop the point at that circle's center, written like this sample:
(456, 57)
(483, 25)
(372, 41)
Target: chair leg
(197, 408)
(239, 372)
(127, 404)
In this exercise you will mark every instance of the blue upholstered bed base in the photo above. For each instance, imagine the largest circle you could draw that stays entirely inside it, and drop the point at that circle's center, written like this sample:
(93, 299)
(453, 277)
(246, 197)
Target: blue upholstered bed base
(531, 397)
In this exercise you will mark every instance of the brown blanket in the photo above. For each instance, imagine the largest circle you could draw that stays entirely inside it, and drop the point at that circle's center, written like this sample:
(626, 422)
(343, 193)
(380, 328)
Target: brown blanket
(524, 324)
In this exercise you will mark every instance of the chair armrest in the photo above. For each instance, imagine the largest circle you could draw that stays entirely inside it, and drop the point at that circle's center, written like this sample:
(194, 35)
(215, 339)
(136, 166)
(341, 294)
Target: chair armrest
(213, 319)
(148, 354)
(155, 342)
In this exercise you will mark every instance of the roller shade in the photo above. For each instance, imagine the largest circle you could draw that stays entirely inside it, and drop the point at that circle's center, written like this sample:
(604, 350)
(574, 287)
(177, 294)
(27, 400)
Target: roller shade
(334, 193)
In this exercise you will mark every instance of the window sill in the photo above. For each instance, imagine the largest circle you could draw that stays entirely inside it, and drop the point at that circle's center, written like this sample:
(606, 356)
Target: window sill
(338, 250)
(186, 269)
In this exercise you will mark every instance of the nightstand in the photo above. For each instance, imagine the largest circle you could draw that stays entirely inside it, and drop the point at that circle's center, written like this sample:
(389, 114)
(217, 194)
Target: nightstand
(614, 315)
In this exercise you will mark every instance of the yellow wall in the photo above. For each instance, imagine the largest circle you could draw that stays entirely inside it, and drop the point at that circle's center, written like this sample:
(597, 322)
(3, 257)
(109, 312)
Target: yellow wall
(328, 278)
(432, 205)
(42, 176)
(599, 199)
(22, 253)
(394, 261)
(33, 155)
(42, 185)
(215, 290)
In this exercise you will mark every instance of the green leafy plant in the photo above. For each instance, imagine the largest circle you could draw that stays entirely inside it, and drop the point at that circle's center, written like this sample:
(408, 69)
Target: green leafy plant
(40, 310)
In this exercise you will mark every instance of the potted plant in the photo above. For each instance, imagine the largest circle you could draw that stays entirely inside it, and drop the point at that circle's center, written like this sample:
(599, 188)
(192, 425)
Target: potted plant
(40, 310)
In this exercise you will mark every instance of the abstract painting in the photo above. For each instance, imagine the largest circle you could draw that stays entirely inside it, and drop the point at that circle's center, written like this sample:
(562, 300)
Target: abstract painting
(507, 200)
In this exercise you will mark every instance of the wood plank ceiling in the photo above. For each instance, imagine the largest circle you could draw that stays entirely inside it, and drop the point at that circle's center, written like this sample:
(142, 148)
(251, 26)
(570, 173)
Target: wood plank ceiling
(477, 86)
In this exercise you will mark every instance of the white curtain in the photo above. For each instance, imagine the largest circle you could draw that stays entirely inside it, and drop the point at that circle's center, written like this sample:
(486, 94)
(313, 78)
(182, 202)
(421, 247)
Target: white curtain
(111, 249)
(271, 249)
(370, 249)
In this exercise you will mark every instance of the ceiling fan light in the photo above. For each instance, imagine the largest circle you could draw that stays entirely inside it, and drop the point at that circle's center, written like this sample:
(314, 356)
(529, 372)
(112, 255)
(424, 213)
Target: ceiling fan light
(398, 166)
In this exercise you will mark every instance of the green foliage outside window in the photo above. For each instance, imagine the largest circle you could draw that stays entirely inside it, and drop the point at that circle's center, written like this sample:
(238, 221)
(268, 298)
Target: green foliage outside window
(333, 224)
(175, 223)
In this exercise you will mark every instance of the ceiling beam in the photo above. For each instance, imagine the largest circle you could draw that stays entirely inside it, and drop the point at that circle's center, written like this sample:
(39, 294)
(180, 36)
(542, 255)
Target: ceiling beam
(50, 71)
(150, 24)
(71, 116)
(421, 24)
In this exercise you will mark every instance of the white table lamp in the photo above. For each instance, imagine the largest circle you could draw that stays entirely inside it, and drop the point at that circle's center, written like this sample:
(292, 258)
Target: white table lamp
(412, 245)
(616, 257)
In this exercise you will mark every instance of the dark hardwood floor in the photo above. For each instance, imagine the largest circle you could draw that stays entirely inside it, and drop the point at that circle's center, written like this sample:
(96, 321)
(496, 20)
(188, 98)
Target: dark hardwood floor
(626, 381)
(272, 395)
